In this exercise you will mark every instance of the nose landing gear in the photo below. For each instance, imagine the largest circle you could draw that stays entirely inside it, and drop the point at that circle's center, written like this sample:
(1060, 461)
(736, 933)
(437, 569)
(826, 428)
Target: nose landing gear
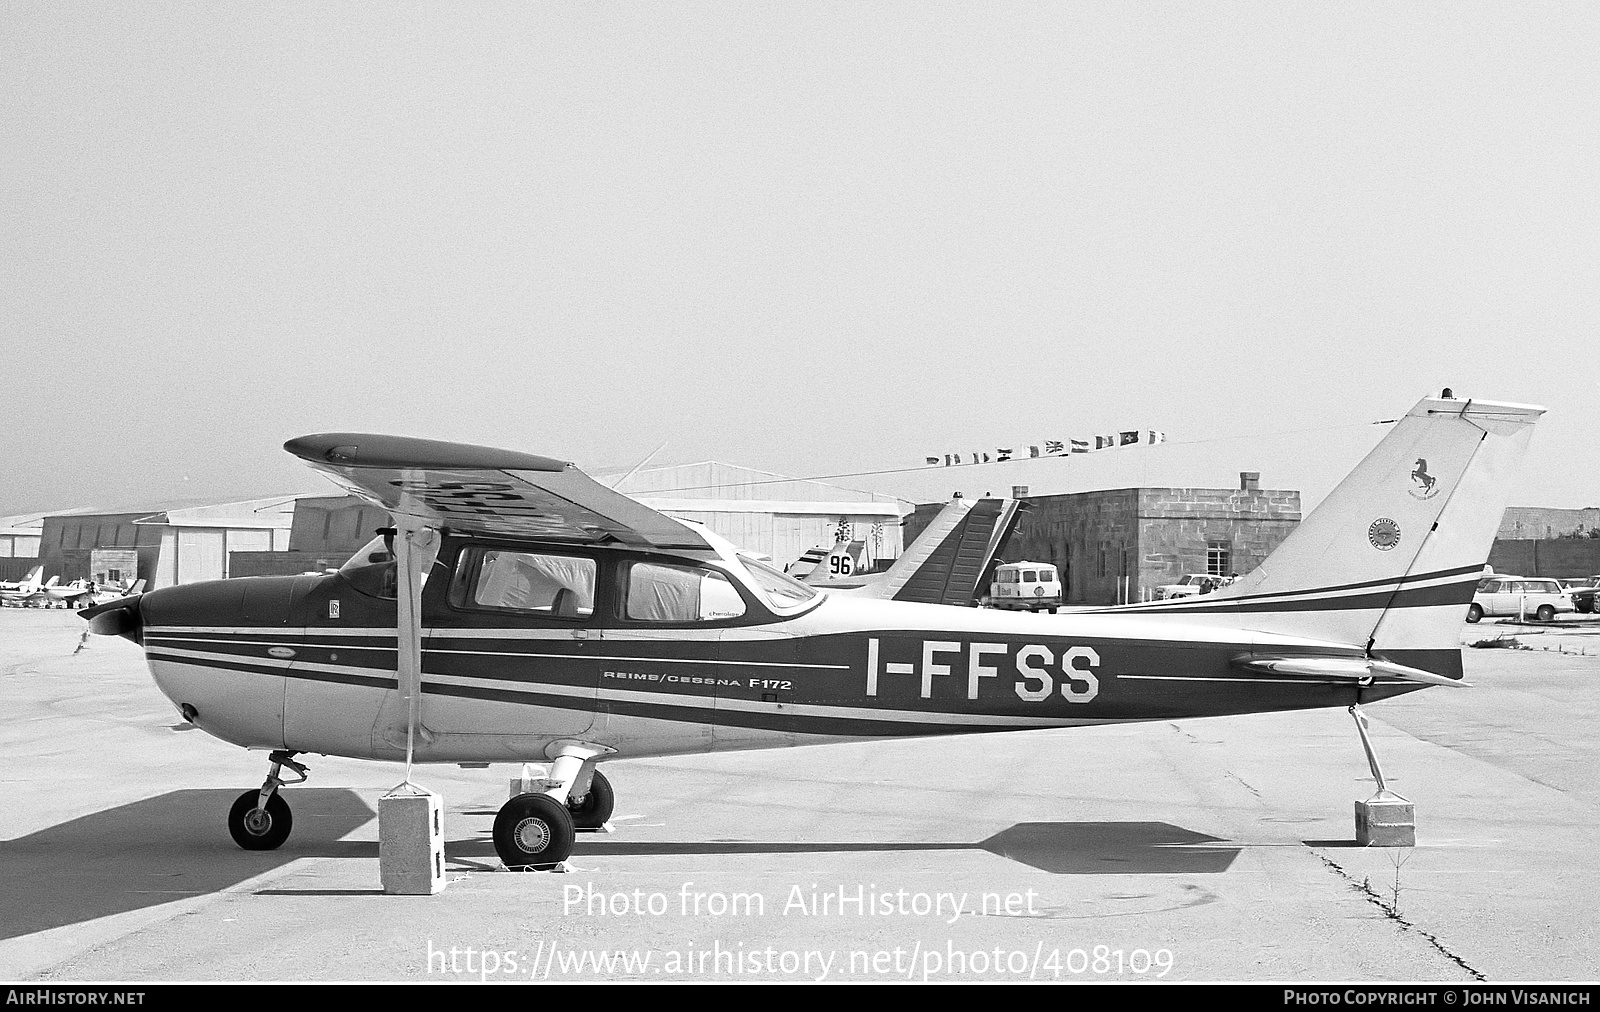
(260, 820)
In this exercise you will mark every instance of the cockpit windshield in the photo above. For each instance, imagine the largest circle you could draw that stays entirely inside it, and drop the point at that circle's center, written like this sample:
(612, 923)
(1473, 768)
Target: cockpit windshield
(373, 553)
(782, 590)
(372, 568)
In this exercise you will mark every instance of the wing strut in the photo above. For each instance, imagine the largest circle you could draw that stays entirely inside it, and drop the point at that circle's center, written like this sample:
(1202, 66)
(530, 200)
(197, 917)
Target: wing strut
(411, 537)
(410, 818)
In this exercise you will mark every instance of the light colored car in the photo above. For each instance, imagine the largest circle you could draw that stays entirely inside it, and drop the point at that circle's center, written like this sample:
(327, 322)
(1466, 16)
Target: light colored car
(1190, 585)
(1533, 597)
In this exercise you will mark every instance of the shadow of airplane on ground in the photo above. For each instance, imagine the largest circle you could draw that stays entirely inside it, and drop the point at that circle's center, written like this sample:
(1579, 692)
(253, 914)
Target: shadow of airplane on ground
(1061, 848)
(176, 845)
(152, 852)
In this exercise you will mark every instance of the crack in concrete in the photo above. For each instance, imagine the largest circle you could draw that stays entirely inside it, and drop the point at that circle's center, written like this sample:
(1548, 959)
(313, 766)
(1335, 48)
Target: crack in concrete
(1392, 912)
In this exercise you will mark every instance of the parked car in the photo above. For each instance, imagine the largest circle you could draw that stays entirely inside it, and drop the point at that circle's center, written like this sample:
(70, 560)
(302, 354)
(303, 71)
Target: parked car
(1190, 585)
(1537, 597)
(1583, 593)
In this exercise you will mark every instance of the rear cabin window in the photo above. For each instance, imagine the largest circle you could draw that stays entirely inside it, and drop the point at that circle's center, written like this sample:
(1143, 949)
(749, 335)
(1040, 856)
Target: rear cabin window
(658, 593)
(561, 586)
(1030, 576)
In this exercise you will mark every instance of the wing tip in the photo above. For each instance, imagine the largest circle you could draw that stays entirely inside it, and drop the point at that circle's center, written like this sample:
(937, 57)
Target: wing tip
(365, 449)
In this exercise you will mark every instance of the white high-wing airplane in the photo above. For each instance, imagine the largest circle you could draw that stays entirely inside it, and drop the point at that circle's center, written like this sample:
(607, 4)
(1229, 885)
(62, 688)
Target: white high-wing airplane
(560, 621)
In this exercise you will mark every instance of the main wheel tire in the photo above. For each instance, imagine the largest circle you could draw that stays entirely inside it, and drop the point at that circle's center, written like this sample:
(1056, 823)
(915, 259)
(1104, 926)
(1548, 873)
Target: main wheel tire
(1474, 613)
(597, 805)
(1546, 613)
(257, 829)
(533, 831)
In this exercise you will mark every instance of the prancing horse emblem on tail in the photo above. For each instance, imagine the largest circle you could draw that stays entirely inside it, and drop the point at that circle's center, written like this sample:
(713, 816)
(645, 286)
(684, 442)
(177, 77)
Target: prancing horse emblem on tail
(1426, 483)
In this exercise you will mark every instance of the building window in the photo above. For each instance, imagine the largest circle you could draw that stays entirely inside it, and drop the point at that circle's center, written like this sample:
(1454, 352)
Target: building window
(1219, 558)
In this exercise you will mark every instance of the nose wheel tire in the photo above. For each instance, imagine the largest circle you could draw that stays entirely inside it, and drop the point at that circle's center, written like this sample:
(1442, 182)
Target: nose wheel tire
(255, 828)
(596, 806)
(533, 831)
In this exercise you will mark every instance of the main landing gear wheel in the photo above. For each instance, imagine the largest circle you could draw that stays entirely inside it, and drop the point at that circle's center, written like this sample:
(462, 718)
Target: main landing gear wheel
(255, 828)
(533, 831)
(1474, 613)
(592, 811)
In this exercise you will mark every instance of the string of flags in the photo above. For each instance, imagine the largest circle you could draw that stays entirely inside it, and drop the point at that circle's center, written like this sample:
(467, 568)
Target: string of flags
(1053, 448)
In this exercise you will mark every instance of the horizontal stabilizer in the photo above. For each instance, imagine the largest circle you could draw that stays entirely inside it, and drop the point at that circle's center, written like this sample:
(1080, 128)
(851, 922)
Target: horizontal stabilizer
(1343, 669)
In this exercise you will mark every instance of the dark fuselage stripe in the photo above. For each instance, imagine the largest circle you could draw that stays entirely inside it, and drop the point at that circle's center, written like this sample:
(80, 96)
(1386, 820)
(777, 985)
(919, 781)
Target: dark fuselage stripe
(1446, 594)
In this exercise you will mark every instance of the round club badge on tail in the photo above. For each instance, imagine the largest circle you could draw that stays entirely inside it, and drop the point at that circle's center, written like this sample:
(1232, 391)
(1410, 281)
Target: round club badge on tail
(1384, 534)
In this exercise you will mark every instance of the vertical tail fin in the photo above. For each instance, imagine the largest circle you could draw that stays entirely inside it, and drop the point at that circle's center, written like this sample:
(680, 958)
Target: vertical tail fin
(1391, 557)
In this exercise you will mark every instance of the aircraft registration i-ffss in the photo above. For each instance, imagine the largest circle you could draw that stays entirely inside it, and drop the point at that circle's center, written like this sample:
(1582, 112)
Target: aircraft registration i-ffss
(551, 619)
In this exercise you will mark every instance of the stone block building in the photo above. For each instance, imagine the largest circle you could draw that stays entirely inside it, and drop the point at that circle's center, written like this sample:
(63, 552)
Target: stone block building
(1120, 544)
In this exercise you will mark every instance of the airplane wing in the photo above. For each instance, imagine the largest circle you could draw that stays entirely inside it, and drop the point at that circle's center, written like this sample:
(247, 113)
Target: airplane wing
(487, 491)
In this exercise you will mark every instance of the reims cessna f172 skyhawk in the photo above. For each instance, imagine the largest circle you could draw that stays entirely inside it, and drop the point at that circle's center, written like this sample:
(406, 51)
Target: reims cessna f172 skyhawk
(529, 613)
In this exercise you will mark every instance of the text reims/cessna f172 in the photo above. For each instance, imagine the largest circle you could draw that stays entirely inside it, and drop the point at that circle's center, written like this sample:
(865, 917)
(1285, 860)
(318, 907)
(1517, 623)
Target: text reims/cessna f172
(543, 617)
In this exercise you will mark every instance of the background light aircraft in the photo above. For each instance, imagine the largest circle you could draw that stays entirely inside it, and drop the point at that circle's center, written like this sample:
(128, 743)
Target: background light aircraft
(107, 594)
(947, 563)
(521, 611)
(70, 596)
(30, 592)
(25, 587)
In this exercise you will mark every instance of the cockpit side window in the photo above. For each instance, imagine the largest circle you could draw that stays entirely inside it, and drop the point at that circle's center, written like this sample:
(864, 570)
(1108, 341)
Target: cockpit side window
(654, 592)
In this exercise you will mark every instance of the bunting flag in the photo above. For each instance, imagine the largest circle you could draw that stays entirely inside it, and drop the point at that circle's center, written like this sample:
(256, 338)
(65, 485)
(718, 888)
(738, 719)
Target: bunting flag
(1053, 447)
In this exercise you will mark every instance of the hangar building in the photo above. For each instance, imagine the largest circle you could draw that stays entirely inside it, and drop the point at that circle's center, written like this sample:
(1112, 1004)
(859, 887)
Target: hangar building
(19, 544)
(1118, 545)
(769, 513)
(164, 546)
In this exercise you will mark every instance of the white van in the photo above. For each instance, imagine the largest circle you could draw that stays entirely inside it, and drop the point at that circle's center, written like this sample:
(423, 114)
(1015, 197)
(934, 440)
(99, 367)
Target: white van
(1025, 586)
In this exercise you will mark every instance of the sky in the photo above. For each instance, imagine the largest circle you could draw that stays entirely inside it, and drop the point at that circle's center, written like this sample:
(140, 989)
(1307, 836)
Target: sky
(816, 239)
